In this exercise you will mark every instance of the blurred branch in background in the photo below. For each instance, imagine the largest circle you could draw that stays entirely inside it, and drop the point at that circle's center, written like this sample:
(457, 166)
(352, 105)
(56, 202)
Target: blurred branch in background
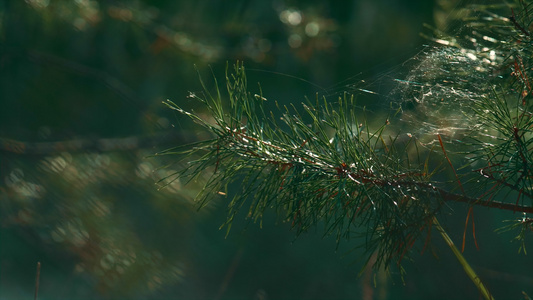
(96, 145)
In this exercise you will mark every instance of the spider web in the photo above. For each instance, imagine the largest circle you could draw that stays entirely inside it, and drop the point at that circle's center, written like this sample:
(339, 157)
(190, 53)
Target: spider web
(447, 78)
(436, 88)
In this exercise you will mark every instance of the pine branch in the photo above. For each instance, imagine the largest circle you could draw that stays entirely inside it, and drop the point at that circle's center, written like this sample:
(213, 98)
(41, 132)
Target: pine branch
(323, 164)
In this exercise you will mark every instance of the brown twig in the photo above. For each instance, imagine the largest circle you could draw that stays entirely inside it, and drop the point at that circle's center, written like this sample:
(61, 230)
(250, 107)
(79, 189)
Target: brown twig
(447, 196)
(365, 177)
(516, 25)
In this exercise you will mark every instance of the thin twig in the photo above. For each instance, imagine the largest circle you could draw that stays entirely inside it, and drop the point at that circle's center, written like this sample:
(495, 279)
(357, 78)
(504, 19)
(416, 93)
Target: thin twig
(447, 196)
(37, 276)
(468, 270)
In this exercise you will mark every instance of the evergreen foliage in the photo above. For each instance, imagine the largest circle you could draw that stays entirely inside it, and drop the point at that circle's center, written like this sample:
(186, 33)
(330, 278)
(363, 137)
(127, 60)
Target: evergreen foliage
(324, 164)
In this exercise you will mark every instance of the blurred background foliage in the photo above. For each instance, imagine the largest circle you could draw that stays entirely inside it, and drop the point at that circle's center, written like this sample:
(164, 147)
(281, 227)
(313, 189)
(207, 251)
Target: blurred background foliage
(81, 86)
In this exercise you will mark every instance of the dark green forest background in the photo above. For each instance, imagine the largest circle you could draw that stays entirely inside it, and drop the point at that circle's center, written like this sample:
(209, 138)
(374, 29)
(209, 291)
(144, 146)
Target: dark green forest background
(81, 86)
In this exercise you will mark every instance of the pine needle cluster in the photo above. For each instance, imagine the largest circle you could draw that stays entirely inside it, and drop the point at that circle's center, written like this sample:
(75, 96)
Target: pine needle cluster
(323, 164)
